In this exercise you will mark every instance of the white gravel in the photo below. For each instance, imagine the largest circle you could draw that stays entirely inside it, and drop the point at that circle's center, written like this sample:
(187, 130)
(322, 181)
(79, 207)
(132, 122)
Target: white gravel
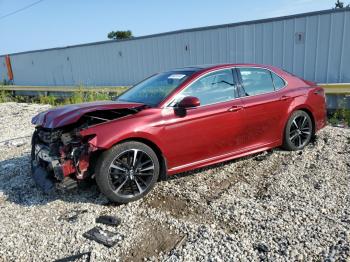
(274, 206)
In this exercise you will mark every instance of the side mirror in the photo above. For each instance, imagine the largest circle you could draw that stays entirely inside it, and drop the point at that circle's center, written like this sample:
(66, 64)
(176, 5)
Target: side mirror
(189, 102)
(186, 103)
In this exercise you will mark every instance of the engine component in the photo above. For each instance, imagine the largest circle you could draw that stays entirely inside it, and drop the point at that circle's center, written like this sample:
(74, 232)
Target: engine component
(49, 136)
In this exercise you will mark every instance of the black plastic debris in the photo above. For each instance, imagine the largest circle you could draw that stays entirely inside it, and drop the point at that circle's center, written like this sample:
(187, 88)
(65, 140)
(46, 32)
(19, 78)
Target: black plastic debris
(72, 216)
(318, 185)
(86, 256)
(108, 220)
(67, 184)
(262, 248)
(107, 238)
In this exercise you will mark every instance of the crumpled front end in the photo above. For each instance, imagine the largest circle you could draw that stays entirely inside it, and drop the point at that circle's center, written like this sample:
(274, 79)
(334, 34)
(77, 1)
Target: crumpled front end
(61, 155)
(60, 158)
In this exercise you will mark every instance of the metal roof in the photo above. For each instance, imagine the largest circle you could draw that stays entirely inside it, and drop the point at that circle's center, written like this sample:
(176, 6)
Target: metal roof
(259, 21)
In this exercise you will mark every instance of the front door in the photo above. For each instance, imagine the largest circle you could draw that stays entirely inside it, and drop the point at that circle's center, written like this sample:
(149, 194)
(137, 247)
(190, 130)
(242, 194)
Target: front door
(213, 129)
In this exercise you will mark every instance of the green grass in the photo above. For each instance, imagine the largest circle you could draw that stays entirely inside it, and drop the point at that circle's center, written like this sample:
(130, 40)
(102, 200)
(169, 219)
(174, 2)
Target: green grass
(341, 115)
(82, 95)
(4, 96)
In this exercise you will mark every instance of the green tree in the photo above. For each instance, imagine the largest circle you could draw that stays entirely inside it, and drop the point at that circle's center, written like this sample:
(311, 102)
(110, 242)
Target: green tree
(120, 35)
(340, 4)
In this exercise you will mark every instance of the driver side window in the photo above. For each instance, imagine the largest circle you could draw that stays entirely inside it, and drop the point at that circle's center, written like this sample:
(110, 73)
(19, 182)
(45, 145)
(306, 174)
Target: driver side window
(213, 88)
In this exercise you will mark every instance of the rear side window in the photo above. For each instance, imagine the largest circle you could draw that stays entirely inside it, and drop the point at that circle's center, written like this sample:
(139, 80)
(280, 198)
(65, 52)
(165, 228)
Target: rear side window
(256, 81)
(277, 81)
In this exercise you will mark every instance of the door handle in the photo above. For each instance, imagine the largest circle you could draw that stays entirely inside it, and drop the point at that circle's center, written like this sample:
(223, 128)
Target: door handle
(284, 98)
(235, 108)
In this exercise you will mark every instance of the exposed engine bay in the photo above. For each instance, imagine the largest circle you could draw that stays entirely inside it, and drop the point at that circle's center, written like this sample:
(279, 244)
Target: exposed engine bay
(62, 156)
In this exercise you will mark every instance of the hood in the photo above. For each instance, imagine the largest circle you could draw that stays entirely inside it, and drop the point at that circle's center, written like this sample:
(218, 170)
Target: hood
(65, 115)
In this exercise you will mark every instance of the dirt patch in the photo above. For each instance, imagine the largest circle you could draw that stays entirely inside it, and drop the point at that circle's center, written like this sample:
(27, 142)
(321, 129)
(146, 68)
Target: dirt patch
(263, 191)
(190, 210)
(179, 207)
(154, 239)
(217, 188)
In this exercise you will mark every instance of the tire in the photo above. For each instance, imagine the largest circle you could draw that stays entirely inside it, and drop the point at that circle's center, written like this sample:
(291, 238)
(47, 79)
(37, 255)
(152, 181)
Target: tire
(123, 178)
(298, 131)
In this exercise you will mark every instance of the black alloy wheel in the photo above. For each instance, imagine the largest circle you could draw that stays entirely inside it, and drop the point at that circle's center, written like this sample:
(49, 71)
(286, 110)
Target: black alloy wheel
(131, 173)
(298, 131)
(127, 172)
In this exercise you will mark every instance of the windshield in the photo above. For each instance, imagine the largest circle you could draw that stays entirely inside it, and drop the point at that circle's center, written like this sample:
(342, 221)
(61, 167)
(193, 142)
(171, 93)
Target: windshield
(155, 89)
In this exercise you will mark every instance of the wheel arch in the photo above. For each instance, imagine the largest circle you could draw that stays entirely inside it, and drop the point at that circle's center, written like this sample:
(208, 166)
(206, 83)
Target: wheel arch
(286, 144)
(161, 157)
(307, 110)
(312, 119)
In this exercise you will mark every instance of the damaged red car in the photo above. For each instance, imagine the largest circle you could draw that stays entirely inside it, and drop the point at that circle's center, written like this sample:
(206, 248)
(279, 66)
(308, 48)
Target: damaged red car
(172, 122)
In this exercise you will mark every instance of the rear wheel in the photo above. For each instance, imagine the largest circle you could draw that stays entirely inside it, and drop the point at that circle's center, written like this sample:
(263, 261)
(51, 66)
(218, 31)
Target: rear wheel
(127, 172)
(298, 131)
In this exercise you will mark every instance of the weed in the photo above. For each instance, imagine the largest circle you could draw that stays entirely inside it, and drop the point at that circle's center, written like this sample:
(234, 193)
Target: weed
(80, 96)
(51, 100)
(341, 115)
(4, 96)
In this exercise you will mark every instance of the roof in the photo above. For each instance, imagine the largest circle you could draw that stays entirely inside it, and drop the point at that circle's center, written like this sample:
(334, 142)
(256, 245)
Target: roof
(225, 65)
(259, 21)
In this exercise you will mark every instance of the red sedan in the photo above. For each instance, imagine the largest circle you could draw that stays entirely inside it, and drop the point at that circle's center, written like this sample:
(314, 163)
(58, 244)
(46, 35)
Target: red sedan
(173, 122)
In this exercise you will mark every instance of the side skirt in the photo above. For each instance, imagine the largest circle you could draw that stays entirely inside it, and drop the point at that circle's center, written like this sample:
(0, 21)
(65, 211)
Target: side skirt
(222, 158)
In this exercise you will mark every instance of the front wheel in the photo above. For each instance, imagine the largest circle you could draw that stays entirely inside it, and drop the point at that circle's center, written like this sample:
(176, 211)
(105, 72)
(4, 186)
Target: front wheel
(298, 131)
(127, 172)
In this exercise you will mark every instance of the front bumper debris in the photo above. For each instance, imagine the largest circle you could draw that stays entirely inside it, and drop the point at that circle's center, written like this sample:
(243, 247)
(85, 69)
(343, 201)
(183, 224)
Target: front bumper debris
(52, 175)
(48, 183)
(59, 159)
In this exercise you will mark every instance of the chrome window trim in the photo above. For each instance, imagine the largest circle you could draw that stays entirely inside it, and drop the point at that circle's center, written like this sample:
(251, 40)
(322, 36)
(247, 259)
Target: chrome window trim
(195, 80)
(232, 68)
(258, 67)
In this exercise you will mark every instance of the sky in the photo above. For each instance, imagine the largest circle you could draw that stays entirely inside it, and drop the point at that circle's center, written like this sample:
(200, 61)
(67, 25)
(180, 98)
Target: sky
(57, 23)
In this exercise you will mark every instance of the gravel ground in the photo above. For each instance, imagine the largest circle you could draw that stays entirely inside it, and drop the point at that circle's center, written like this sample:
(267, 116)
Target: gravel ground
(275, 206)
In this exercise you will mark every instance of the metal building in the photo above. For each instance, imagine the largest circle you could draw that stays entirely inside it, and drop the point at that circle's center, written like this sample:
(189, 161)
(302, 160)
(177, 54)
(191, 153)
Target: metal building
(315, 46)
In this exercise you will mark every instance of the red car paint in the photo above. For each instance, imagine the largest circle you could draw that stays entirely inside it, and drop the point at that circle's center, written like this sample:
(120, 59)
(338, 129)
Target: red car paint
(65, 115)
(207, 134)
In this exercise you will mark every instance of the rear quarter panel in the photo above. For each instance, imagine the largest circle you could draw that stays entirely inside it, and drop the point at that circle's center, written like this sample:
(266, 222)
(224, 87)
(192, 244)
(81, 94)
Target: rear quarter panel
(316, 101)
(305, 98)
(307, 95)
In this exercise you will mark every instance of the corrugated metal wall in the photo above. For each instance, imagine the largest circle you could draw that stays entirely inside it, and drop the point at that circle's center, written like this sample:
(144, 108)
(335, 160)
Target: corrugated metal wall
(315, 46)
(3, 69)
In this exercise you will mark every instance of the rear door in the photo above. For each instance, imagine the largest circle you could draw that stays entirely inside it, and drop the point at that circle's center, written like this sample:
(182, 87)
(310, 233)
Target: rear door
(213, 129)
(266, 105)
